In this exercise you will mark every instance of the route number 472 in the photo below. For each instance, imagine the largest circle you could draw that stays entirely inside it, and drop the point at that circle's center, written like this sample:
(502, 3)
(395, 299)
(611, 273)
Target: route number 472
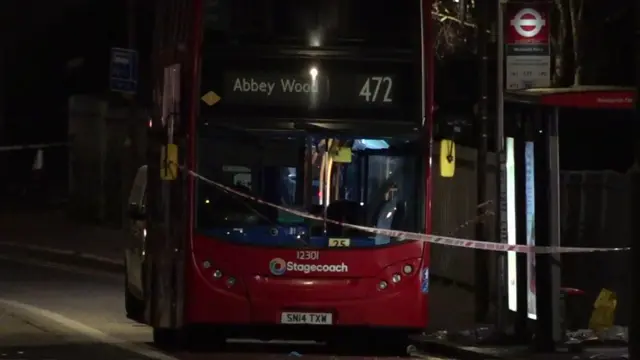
(377, 89)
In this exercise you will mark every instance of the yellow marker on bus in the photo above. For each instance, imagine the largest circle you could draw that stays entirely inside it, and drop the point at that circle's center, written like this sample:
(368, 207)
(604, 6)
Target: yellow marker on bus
(211, 98)
(342, 155)
(447, 158)
(339, 242)
(169, 162)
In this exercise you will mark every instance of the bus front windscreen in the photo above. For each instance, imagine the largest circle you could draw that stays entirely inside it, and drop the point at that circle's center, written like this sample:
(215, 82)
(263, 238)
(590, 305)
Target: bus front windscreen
(375, 188)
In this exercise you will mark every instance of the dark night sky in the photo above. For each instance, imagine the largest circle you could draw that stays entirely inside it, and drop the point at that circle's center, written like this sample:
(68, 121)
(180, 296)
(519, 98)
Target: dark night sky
(43, 36)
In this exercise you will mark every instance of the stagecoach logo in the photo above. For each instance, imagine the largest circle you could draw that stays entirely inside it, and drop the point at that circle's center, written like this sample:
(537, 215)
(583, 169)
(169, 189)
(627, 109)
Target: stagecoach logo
(278, 267)
(528, 22)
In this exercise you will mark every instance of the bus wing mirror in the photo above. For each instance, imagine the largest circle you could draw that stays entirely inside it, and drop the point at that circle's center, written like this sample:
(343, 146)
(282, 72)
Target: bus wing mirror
(447, 158)
(169, 162)
(136, 212)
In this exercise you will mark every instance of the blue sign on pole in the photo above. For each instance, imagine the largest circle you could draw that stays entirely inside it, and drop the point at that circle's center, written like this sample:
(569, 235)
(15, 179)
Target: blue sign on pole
(123, 70)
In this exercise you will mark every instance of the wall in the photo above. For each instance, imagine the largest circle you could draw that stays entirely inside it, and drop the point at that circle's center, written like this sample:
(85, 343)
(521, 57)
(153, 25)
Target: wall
(452, 269)
(106, 148)
(596, 211)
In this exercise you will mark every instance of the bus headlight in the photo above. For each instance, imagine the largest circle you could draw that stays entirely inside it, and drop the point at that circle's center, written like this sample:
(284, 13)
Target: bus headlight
(382, 285)
(396, 278)
(217, 274)
(231, 281)
(407, 269)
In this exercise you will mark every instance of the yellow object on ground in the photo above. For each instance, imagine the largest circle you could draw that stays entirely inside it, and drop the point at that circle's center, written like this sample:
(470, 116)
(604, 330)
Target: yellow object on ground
(604, 311)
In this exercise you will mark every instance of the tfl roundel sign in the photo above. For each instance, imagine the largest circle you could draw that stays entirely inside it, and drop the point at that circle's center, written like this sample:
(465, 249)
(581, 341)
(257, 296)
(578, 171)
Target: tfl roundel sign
(527, 24)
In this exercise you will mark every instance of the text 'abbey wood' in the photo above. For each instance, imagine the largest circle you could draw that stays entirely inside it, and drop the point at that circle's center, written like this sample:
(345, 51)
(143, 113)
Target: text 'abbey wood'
(276, 87)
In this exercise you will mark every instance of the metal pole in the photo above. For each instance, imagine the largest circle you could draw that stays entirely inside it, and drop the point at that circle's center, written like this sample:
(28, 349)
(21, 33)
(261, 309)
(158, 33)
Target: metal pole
(131, 161)
(5, 29)
(501, 173)
(554, 224)
(634, 258)
(4, 158)
(482, 267)
(523, 138)
(3, 91)
(500, 83)
(544, 340)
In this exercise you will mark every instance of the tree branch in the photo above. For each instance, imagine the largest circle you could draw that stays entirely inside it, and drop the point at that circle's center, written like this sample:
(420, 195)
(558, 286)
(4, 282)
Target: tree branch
(575, 13)
(443, 17)
(440, 17)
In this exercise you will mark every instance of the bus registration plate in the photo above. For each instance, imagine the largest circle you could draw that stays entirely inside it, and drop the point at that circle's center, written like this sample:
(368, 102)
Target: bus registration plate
(306, 318)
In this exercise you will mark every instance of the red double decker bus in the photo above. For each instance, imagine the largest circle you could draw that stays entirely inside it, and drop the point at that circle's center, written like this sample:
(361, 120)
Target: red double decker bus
(288, 119)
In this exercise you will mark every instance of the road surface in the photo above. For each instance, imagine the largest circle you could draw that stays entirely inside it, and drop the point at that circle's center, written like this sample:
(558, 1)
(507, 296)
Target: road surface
(23, 338)
(50, 310)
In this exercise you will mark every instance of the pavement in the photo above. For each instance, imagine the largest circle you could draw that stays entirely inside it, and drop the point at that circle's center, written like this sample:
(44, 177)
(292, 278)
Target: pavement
(53, 232)
(55, 271)
(47, 313)
(22, 338)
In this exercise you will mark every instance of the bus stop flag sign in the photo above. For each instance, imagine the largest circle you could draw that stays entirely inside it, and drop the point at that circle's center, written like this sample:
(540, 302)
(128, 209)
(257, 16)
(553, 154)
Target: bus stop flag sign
(527, 45)
(123, 70)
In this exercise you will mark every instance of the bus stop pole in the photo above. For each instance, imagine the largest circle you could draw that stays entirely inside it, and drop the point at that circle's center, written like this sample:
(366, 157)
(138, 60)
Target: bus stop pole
(554, 223)
(545, 176)
(543, 341)
(501, 175)
(482, 257)
(522, 137)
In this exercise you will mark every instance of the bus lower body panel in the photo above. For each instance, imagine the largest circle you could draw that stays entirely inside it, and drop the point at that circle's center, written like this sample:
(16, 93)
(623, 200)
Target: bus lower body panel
(242, 307)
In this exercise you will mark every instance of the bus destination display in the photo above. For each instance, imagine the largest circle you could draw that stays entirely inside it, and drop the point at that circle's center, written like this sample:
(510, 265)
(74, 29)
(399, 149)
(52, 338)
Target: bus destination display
(285, 90)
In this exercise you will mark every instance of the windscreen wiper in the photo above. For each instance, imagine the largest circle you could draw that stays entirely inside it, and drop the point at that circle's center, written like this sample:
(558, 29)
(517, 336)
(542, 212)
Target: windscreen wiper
(245, 202)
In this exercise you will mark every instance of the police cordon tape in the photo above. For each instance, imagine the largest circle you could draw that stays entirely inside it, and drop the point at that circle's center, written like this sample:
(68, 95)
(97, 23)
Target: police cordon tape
(406, 235)
(38, 161)
(31, 146)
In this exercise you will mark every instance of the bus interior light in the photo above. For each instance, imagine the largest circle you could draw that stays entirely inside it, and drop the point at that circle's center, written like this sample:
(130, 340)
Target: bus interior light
(371, 144)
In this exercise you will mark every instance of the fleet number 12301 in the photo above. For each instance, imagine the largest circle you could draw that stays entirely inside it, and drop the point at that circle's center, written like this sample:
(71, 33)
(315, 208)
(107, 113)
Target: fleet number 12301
(307, 255)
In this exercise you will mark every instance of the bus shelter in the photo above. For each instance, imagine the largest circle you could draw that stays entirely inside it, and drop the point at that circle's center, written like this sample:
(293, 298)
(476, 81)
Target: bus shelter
(533, 119)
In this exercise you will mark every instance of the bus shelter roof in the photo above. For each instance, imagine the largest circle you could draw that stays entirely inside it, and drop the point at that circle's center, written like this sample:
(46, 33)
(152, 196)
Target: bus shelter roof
(581, 97)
